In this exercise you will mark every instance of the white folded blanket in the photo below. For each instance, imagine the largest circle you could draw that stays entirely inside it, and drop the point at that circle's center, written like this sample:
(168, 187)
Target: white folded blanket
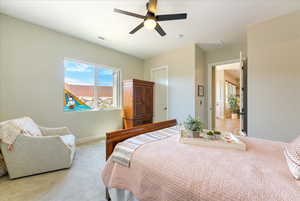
(123, 151)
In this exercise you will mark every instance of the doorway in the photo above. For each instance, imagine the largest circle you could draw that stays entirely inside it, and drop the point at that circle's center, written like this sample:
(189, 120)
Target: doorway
(228, 97)
(160, 77)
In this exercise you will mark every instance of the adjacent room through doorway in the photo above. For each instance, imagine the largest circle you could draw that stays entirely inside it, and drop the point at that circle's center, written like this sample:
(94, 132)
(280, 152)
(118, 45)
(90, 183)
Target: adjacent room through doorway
(227, 87)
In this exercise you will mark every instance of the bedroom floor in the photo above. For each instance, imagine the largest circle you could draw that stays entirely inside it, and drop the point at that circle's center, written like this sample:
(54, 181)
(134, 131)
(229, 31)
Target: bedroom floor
(80, 183)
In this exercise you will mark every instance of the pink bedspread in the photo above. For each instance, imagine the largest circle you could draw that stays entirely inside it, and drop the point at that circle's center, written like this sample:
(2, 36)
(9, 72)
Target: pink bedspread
(167, 170)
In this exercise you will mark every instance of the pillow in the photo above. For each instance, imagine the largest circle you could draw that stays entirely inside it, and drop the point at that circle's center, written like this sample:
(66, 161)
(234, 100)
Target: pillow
(9, 132)
(28, 126)
(292, 155)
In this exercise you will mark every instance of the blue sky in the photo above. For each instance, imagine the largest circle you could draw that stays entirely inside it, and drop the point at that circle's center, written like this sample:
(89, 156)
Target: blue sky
(83, 74)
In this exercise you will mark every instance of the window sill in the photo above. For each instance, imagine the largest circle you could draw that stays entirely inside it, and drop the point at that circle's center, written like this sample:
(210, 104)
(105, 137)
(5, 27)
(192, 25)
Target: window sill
(96, 110)
(109, 109)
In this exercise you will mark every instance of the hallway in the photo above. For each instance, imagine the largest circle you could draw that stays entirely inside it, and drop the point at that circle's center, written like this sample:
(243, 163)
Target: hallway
(229, 125)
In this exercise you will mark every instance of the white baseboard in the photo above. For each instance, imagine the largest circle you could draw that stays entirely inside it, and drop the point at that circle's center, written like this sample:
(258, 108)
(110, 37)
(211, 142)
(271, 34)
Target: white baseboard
(89, 139)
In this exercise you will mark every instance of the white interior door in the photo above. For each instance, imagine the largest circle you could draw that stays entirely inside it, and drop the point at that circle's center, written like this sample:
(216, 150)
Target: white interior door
(160, 77)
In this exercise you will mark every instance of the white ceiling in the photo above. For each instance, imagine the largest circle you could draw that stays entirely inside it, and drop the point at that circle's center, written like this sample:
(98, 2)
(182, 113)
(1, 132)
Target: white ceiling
(210, 22)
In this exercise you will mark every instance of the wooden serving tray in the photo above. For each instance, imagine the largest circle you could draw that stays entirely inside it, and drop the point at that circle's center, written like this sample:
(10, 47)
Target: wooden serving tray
(225, 141)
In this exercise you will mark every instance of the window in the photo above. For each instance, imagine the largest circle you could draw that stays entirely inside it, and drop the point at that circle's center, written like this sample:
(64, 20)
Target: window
(90, 87)
(230, 90)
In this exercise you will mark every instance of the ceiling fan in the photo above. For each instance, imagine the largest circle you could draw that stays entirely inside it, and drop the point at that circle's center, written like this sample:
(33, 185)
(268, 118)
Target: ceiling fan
(151, 19)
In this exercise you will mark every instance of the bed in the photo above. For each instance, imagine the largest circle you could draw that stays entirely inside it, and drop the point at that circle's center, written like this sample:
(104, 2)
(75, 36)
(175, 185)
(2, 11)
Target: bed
(166, 170)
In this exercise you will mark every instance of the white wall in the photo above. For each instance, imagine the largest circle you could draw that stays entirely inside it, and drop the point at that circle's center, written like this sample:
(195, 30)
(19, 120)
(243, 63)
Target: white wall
(181, 89)
(223, 55)
(274, 78)
(32, 76)
(226, 53)
(201, 79)
(186, 69)
(1, 71)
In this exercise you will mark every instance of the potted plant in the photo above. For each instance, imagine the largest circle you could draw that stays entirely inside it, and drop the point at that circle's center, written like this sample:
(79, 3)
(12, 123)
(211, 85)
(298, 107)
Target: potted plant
(212, 134)
(233, 106)
(193, 126)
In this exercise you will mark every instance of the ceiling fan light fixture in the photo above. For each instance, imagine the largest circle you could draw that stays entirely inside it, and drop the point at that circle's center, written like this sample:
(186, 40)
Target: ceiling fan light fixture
(150, 23)
(150, 20)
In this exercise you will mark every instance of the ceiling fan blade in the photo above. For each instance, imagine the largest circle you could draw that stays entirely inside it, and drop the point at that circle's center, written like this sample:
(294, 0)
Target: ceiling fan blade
(152, 6)
(160, 30)
(179, 16)
(137, 28)
(129, 13)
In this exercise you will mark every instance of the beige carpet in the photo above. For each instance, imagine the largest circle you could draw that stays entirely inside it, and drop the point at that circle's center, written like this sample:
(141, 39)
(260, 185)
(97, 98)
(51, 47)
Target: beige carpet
(80, 183)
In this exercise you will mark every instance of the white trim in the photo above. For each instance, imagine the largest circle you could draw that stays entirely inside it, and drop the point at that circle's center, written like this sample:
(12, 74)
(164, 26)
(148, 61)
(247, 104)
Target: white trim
(91, 63)
(209, 80)
(96, 80)
(167, 71)
(89, 139)
(97, 66)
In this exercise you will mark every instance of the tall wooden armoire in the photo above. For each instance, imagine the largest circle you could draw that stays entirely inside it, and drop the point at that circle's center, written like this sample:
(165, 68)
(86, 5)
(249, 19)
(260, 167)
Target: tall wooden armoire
(137, 102)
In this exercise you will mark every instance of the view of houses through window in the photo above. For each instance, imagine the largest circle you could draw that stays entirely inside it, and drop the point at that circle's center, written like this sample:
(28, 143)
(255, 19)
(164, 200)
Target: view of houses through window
(90, 87)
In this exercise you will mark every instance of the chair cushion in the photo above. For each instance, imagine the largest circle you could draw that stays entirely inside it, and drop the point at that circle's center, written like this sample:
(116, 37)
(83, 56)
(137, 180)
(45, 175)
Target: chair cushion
(292, 155)
(69, 140)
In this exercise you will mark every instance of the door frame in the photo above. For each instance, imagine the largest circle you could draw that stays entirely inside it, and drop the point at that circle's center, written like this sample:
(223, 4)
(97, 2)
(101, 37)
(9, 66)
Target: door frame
(154, 103)
(209, 87)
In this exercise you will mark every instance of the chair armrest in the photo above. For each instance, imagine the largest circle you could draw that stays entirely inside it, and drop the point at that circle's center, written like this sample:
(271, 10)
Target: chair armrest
(35, 144)
(55, 131)
(33, 155)
(47, 140)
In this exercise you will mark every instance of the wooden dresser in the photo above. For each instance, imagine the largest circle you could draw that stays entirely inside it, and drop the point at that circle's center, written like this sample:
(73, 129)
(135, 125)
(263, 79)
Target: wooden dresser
(137, 102)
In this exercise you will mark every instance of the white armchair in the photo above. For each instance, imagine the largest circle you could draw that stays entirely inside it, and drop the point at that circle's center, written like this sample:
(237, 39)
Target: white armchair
(53, 150)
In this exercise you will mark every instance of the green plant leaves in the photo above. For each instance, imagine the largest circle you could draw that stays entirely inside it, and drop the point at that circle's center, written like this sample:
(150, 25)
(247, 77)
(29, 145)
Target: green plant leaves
(193, 124)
